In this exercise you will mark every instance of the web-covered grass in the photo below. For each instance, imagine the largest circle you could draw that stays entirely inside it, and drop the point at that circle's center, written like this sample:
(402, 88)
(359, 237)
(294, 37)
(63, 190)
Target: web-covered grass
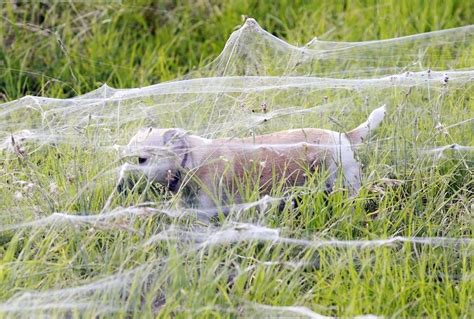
(71, 245)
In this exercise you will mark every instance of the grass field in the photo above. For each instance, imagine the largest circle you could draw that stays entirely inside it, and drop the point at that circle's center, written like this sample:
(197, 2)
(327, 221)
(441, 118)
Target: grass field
(71, 246)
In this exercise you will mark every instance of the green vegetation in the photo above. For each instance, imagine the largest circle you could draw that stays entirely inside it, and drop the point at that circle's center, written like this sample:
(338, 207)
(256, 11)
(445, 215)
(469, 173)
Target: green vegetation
(147, 264)
(141, 43)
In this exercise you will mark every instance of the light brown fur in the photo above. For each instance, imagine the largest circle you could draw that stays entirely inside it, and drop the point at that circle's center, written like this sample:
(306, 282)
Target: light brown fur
(269, 158)
(213, 165)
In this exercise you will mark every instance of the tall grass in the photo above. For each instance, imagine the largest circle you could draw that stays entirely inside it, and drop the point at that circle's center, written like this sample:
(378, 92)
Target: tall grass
(149, 264)
(62, 49)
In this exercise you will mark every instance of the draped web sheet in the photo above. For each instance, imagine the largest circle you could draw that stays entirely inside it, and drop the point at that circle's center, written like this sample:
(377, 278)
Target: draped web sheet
(258, 84)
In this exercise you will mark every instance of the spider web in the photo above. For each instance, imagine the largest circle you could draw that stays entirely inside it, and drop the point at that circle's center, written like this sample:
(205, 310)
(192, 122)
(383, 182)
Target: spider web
(258, 84)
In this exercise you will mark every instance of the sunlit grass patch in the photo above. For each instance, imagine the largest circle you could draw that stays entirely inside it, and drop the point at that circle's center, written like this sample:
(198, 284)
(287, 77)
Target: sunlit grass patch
(72, 245)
